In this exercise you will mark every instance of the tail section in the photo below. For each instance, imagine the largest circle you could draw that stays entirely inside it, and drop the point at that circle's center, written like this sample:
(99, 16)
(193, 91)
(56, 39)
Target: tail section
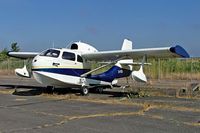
(127, 45)
(117, 71)
(139, 75)
(121, 69)
(125, 65)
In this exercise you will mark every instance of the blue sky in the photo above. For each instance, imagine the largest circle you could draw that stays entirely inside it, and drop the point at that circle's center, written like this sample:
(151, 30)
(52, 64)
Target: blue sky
(37, 24)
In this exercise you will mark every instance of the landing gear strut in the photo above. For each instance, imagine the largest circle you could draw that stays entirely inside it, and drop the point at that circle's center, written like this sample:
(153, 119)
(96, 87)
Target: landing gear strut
(84, 91)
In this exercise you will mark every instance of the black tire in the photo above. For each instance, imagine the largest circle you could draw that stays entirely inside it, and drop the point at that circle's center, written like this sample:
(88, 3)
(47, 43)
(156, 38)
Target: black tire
(84, 91)
(49, 89)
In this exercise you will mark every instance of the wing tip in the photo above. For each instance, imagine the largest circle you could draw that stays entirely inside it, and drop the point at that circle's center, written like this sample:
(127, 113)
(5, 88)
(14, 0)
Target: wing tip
(8, 53)
(12, 54)
(180, 51)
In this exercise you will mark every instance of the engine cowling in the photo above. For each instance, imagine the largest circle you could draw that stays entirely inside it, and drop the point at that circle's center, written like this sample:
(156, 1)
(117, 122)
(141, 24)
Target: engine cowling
(83, 47)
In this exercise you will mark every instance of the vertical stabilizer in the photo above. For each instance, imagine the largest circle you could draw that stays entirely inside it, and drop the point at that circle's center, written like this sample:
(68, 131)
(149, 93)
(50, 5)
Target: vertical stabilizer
(127, 45)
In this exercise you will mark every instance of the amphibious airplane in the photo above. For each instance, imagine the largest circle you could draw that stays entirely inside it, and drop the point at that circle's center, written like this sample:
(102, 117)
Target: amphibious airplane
(71, 67)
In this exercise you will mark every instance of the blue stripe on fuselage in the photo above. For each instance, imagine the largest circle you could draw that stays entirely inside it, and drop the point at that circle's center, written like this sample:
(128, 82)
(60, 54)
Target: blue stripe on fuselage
(63, 71)
(108, 76)
(111, 74)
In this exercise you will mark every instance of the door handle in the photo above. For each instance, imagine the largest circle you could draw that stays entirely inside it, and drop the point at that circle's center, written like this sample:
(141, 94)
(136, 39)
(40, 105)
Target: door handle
(56, 64)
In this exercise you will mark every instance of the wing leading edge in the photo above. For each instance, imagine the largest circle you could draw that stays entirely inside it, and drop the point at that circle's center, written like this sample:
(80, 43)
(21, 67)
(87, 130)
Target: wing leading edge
(22, 55)
(163, 52)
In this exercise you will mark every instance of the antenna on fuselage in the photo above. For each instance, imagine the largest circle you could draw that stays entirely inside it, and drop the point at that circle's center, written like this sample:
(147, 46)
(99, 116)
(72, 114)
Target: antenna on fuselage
(69, 44)
(53, 44)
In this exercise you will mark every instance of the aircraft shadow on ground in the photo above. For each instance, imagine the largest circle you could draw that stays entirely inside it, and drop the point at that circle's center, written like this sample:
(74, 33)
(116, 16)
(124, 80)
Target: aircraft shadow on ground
(25, 90)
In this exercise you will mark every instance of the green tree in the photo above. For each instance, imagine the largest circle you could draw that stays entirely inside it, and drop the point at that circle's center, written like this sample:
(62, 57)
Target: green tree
(15, 47)
(3, 54)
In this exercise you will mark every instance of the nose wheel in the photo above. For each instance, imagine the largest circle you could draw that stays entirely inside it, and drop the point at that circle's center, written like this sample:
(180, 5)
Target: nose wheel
(84, 91)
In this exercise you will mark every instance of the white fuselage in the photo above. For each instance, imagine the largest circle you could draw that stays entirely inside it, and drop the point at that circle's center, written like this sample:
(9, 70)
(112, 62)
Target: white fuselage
(62, 68)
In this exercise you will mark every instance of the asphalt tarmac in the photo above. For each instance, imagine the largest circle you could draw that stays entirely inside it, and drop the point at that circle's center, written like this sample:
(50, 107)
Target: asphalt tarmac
(31, 110)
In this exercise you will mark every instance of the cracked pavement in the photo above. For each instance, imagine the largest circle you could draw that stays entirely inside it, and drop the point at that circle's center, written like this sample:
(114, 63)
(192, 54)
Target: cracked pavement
(36, 112)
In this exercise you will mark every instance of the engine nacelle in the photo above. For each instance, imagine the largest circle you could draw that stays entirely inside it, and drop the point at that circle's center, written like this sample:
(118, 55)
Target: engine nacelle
(22, 72)
(139, 76)
(83, 47)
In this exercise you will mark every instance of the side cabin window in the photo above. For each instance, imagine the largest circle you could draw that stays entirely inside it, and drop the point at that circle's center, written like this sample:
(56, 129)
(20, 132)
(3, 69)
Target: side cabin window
(68, 56)
(79, 58)
(51, 53)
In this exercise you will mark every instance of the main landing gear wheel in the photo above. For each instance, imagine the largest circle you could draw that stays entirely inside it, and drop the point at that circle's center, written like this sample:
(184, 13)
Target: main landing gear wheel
(84, 91)
(49, 89)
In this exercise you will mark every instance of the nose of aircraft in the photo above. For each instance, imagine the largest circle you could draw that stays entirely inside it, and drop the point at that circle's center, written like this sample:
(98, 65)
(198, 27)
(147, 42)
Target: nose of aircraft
(42, 62)
(34, 62)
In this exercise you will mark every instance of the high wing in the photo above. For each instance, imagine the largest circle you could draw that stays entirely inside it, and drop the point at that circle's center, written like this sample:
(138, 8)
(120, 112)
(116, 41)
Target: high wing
(23, 55)
(163, 52)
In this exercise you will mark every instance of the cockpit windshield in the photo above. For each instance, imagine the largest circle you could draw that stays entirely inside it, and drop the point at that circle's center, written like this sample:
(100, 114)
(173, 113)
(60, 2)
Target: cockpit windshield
(51, 53)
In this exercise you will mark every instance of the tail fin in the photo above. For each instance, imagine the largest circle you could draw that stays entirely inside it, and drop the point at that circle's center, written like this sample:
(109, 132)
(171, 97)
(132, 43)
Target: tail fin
(121, 69)
(127, 45)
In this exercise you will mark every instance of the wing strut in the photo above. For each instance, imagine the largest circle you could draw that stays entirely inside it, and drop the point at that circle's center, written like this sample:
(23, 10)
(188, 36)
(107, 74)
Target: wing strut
(96, 69)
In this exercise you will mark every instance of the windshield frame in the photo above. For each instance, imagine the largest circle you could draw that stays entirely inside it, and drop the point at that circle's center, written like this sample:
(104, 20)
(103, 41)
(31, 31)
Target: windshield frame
(51, 53)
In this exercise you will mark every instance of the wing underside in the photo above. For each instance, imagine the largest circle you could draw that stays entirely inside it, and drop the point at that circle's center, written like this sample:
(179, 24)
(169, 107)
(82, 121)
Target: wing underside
(164, 52)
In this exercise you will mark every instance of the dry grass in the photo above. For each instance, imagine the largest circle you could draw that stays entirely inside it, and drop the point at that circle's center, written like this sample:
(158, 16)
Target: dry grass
(146, 105)
(7, 72)
(160, 69)
(181, 76)
(6, 91)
